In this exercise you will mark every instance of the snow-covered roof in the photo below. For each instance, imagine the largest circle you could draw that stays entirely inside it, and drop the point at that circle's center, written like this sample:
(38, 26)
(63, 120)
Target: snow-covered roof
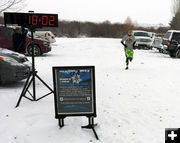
(178, 31)
(139, 31)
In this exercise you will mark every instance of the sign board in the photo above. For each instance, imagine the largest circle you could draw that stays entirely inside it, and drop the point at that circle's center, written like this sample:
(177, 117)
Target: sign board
(74, 90)
(31, 20)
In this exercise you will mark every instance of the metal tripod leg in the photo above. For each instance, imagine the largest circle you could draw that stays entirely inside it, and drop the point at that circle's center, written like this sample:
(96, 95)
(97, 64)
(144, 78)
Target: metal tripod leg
(44, 83)
(25, 89)
(46, 86)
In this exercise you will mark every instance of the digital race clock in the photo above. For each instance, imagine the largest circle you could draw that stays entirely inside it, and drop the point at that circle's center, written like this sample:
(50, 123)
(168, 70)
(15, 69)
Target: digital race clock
(44, 20)
(31, 20)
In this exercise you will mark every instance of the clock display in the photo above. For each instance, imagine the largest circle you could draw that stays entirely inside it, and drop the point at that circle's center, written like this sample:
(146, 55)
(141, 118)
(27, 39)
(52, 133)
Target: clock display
(44, 20)
(31, 20)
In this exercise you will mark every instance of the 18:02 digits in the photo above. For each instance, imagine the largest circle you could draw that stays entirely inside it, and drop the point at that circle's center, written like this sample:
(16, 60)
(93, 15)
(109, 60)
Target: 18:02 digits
(44, 20)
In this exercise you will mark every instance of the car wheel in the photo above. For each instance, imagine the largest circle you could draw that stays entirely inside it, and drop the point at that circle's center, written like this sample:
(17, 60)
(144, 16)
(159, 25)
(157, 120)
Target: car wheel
(172, 54)
(37, 50)
(178, 53)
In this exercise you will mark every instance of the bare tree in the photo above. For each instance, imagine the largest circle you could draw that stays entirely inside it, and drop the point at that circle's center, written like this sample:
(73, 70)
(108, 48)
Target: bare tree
(128, 24)
(128, 21)
(14, 5)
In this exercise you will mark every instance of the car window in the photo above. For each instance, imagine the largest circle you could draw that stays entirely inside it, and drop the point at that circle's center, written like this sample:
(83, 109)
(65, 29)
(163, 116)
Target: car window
(176, 36)
(167, 35)
(8, 32)
(141, 34)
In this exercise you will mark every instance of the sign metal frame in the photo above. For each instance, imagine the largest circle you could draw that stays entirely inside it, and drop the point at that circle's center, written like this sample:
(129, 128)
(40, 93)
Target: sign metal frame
(58, 113)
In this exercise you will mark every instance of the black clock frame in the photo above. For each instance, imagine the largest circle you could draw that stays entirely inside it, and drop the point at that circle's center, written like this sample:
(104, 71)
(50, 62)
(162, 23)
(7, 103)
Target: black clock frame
(31, 20)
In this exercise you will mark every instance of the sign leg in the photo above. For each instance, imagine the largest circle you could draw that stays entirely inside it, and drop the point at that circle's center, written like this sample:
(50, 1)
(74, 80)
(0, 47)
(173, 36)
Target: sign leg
(94, 131)
(61, 122)
(91, 125)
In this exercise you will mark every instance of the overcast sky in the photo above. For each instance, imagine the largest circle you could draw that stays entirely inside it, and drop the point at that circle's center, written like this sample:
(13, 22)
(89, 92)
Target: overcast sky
(141, 11)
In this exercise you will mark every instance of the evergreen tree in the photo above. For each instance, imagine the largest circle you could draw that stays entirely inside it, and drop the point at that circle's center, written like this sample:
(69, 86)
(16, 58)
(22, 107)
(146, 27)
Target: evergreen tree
(175, 22)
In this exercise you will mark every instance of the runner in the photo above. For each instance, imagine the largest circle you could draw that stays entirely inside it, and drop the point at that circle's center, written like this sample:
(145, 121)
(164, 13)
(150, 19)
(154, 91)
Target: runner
(129, 44)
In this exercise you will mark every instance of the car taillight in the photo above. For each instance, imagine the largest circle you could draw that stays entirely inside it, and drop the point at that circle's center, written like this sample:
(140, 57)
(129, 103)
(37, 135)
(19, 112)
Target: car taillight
(1, 58)
(52, 37)
(168, 43)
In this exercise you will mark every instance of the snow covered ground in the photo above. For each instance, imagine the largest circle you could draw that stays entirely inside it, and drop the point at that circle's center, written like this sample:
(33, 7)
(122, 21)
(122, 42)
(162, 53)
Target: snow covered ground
(133, 106)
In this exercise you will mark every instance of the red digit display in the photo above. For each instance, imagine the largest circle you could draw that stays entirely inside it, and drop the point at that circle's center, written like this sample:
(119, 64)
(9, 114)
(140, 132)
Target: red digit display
(51, 20)
(29, 20)
(44, 20)
(34, 19)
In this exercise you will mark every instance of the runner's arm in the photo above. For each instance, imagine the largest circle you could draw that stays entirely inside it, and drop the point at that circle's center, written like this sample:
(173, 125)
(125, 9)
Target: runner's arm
(134, 46)
(123, 44)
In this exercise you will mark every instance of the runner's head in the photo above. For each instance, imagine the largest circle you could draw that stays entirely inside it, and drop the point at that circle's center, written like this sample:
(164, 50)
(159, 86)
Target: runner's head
(129, 32)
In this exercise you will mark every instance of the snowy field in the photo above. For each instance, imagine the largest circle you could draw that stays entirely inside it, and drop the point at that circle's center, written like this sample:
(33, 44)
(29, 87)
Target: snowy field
(133, 106)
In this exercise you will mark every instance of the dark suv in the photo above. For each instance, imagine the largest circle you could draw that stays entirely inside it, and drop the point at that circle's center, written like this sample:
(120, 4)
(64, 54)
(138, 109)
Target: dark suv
(171, 43)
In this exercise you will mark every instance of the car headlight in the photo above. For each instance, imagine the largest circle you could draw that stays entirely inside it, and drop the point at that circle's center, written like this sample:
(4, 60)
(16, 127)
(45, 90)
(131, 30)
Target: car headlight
(137, 40)
(148, 40)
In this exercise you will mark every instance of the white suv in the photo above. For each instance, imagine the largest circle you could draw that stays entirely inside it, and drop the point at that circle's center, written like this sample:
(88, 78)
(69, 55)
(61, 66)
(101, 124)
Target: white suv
(143, 39)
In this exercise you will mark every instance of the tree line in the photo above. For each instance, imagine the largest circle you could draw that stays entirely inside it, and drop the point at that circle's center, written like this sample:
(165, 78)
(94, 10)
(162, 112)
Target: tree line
(105, 29)
(74, 29)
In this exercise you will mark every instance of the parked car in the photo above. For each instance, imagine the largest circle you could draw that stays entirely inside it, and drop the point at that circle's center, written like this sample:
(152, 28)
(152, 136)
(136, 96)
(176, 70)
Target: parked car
(143, 39)
(13, 38)
(157, 43)
(171, 43)
(152, 35)
(13, 66)
(48, 35)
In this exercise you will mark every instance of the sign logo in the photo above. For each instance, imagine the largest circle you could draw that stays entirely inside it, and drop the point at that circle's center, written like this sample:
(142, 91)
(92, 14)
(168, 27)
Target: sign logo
(172, 135)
